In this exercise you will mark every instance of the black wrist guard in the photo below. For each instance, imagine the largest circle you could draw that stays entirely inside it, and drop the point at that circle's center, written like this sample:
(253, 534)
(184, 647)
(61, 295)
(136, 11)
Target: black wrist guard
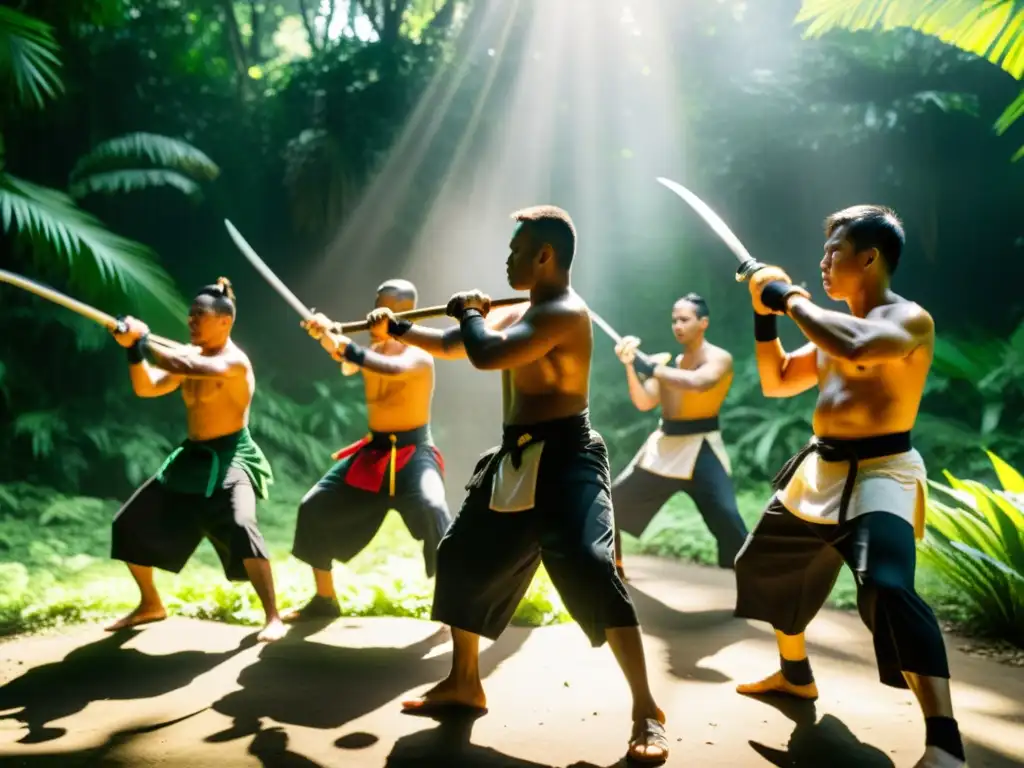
(134, 353)
(643, 365)
(354, 353)
(775, 293)
(398, 327)
(766, 327)
(468, 313)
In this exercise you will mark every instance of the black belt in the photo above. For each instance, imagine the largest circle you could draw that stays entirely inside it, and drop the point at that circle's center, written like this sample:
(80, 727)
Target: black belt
(834, 449)
(570, 431)
(418, 436)
(689, 426)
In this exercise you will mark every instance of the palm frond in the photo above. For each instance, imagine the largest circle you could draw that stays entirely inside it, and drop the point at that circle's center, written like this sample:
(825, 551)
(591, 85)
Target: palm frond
(159, 150)
(991, 29)
(28, 56)
(1010, 115)
(110, 182)
(96, 259)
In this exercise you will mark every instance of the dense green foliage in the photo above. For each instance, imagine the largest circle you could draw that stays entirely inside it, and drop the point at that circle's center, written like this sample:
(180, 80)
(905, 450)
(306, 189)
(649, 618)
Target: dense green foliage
(129, 130)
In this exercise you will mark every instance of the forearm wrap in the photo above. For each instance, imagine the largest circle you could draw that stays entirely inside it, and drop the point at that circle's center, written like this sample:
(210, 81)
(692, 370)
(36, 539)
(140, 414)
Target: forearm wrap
(134, 353)
(474, 329)
(775, 293)
(766, 327)
(643, 365)
(398, 326)
(354, 353)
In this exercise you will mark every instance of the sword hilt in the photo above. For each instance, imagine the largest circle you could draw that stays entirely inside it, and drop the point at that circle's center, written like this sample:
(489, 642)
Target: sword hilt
(748, 268)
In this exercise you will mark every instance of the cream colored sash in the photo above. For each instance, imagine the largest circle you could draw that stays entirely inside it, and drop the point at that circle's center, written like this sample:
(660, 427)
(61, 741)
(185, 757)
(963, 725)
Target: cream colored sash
(896, 484)
(515, 490)
(676, 455)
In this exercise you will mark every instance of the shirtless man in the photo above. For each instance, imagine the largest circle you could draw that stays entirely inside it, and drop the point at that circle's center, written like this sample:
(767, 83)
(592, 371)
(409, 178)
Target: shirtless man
(396, 466)
(686, 452)
(544, 493)
(857, 492)
(208, 486)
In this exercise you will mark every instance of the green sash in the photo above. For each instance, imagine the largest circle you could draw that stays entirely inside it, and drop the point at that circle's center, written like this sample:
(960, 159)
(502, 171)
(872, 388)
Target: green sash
(199, 467)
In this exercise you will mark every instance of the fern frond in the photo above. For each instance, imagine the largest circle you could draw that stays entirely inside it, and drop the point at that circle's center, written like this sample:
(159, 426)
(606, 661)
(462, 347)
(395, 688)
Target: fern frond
(43, 427)
(64, 236)
(159, 150)
(28, 56)
(111, 182)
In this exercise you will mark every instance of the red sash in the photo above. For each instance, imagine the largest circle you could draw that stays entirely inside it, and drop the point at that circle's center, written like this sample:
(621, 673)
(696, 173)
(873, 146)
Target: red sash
(367, 470)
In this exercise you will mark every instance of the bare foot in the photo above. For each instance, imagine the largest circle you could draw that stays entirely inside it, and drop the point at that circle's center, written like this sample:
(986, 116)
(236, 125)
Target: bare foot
(648, 743)
(939, 758)
(144, 614)
(449, 694)
(778, 684)
(274, 629)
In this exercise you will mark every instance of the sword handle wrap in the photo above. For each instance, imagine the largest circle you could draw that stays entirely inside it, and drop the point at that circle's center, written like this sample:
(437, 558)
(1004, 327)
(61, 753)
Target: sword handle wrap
(748, 268)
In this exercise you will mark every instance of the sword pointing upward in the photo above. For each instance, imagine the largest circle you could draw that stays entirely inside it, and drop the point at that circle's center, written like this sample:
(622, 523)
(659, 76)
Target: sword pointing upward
(111, 323)
(268, 274)
(748, 264)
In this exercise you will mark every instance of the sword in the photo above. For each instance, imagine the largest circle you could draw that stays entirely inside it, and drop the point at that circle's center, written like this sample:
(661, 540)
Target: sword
(605, 326)
(114, 324)
(748, 264)
(268, 274)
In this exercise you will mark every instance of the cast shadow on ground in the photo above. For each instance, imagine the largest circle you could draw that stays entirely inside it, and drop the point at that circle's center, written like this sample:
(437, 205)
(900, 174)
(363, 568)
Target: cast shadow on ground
(818, 742)
(102, 670)
(314, 685)
(690, 637)
(449, 745)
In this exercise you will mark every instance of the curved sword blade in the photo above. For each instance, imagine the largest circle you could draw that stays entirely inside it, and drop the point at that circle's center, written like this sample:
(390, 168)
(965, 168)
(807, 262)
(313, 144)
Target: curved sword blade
(748, 264)
(268, 274)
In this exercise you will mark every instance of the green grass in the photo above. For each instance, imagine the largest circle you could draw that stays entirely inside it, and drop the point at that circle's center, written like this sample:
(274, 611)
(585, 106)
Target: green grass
(55, 569)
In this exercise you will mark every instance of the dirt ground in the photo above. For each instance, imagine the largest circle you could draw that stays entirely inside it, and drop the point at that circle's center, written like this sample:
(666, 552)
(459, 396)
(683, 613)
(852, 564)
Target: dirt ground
(197, 694)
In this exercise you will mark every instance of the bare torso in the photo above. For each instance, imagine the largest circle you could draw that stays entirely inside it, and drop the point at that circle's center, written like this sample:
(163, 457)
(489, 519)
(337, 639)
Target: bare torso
(678, 403)
(557, 385)
(398, 403)
(862, 400)
(219, 406)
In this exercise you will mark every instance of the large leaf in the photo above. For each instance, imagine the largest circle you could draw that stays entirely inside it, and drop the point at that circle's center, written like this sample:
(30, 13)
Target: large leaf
(993, 29)
(110, 182)
(28, 56)
(65, 237)
(1010, 478)
(159, 150)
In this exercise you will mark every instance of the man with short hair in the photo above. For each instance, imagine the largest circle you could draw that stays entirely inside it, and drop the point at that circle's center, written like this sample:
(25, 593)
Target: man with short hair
(396, 466)
(857, 492)
(544, 493)
(686, 452)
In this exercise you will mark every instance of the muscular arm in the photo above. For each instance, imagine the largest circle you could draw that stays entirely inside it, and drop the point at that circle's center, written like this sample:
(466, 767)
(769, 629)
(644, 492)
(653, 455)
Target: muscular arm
(786, 374)
(524, 342)
(151, 382)
(645, 394)
(395, 365)
(701, 379)
(903, 329)
(447, 344)
(190, 364)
